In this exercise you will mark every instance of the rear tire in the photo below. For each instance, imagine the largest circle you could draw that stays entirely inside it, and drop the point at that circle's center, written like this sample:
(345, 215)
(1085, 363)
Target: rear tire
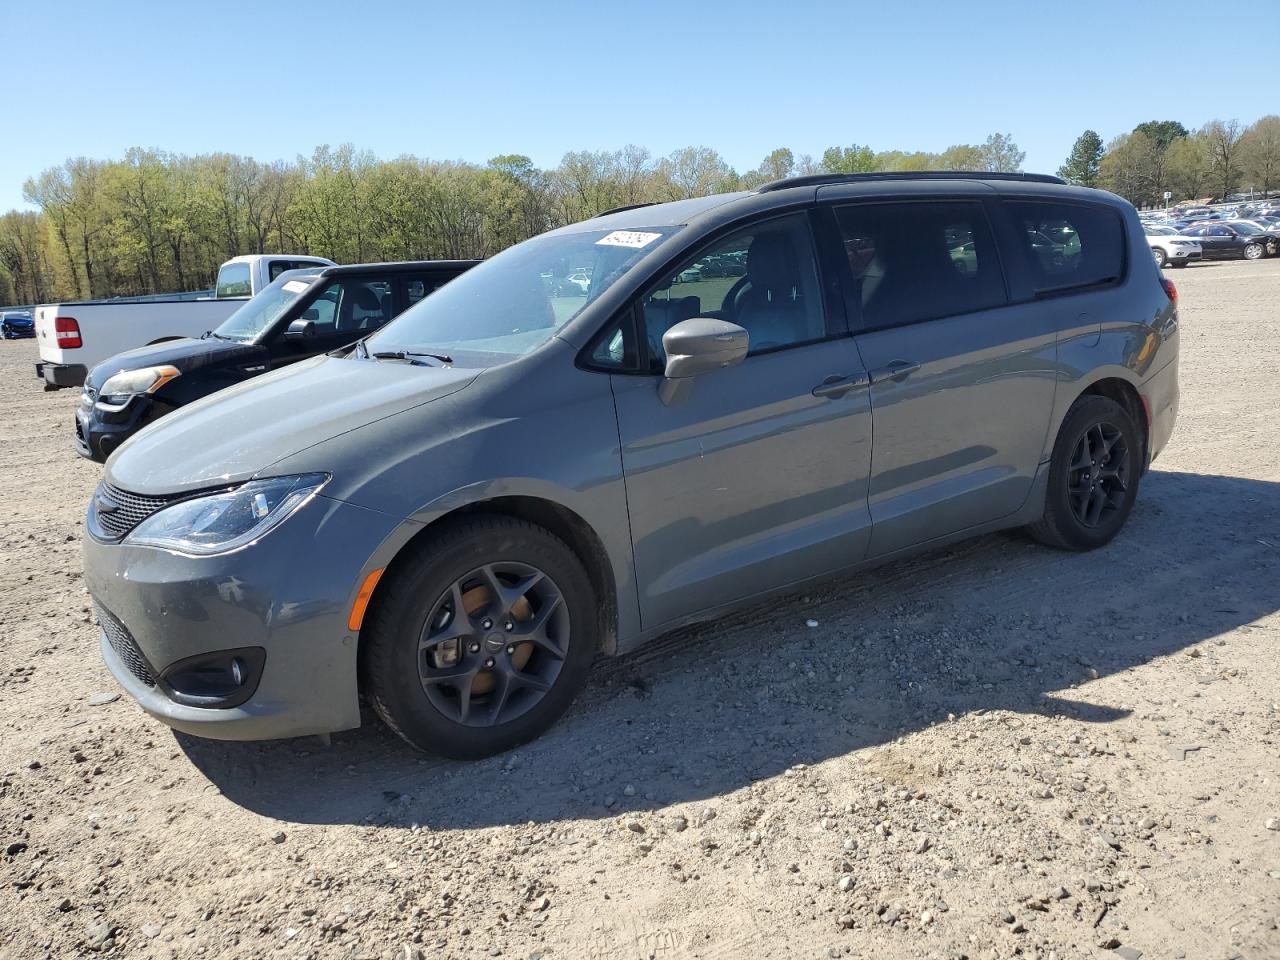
(1093, 476)
(509, 667)
(1161, 258)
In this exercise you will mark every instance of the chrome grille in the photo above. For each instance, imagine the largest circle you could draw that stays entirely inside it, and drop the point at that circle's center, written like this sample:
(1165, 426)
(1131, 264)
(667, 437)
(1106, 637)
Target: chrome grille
(125, 646)
(119, 511)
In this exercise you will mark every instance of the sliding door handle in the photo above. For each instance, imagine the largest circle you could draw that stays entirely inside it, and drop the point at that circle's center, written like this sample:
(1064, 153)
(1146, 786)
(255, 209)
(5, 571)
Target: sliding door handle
(898, 370)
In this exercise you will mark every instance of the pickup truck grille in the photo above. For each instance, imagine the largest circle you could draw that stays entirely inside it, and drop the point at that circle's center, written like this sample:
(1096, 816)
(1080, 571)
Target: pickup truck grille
(125, 647)
(119, 511)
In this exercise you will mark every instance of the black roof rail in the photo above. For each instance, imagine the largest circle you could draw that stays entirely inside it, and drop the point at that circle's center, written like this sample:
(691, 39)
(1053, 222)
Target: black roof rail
(824, 179)
(629, 206)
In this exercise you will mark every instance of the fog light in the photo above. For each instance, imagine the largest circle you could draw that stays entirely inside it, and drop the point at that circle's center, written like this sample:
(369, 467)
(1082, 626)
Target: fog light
(217, 680)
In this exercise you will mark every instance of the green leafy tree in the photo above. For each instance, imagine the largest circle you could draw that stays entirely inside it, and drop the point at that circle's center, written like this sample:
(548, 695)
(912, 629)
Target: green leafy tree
(1260, 146)
(1225, 160)
(1081, 167)
(853, 159)
(1162, 132)
(1000, 154)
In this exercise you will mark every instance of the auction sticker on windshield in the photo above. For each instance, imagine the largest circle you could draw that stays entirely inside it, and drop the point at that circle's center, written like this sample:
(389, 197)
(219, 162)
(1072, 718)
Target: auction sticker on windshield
(627, 238)
(296, 286)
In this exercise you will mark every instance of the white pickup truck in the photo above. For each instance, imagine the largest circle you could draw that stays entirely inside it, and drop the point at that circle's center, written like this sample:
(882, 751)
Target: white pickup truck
(75, 337)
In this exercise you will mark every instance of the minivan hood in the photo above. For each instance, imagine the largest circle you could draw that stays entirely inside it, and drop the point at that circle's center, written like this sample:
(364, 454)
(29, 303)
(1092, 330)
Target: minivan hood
(185, 354)
(236, 433)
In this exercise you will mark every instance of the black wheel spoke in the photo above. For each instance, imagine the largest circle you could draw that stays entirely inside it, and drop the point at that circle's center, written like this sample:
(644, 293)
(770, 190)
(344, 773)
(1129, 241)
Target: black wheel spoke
(535, 630)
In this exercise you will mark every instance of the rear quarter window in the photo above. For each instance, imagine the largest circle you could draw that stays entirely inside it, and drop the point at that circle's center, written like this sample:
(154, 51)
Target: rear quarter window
(1069, 245)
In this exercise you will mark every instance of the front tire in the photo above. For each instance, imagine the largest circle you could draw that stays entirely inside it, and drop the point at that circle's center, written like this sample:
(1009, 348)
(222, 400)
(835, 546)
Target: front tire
(481, 638)
(1093, 476)
(1253, 251)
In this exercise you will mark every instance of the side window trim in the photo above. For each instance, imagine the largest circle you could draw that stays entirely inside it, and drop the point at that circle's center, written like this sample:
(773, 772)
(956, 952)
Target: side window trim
(853, 303)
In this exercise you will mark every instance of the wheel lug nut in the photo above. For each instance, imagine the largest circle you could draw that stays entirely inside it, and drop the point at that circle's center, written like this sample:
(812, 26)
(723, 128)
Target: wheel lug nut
(486, 623)
(489, 662)
(511, 648)
(474, 648)
(508, 626)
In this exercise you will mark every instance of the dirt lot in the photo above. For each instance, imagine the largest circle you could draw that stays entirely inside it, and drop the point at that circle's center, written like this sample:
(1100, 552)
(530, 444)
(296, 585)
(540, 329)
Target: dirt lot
(992, 751)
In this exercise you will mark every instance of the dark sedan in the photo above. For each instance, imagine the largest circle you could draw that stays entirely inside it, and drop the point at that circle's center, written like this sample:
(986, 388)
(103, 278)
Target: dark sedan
(16, 323)
(1230, 241)
(301, 314)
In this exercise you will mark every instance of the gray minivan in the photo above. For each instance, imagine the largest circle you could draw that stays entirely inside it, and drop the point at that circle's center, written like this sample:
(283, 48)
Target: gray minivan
(626, 425)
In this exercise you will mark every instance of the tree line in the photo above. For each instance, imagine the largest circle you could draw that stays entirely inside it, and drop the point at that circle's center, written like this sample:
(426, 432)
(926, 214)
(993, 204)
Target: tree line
(154, 221)
(1221, 159)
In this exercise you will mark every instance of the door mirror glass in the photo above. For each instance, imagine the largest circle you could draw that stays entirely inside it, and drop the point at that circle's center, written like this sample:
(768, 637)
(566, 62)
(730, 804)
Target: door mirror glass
(301, 329)
(701, 345)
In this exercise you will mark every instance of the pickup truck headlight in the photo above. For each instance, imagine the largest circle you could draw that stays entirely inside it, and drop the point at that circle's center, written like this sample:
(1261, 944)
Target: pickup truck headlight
(227, 520)
(129, 383)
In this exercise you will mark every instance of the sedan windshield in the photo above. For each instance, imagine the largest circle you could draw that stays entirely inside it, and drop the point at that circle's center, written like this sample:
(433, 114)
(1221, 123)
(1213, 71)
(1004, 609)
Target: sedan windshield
(517, 301)
(1248, 229)
(267, 307)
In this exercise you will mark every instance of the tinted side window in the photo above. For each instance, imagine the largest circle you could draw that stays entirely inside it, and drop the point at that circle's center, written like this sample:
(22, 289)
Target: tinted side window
(352, 308)
(416, 288)
(763, 278)
(918, 261)
(1070, 245)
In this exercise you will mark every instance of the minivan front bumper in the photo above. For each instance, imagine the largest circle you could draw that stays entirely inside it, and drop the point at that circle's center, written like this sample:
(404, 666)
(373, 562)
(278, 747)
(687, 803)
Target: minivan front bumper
(286, 596)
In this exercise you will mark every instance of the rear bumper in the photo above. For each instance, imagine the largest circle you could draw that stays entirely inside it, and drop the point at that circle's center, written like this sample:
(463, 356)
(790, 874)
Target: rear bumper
(62, 374)
(1160, 392)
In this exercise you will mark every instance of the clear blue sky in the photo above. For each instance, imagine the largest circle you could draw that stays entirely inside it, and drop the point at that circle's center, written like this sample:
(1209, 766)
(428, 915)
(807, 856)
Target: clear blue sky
(471, 80)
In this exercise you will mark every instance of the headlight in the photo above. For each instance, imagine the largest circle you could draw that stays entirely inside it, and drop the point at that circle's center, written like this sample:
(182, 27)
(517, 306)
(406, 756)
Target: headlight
(128, 383)
(226, 521)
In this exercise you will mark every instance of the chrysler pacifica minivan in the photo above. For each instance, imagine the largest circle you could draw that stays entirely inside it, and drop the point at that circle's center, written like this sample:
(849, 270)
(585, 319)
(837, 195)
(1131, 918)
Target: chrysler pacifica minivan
(606, 432)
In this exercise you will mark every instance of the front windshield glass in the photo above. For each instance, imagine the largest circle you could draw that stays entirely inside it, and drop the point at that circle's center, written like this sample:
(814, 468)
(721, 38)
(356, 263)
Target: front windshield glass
(1247, 228)
(517, 301)
(267, 307)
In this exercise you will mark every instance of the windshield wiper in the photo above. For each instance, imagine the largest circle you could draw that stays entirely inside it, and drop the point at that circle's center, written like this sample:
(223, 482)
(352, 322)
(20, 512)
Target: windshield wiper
(408, 355)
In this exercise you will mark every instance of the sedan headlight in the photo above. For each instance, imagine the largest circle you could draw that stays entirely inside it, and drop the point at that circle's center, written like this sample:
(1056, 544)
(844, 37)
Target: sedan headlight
(225, 521)
(128, 383)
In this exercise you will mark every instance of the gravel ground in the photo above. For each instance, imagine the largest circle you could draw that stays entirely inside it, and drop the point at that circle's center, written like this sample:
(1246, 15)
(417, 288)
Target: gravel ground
(995, 750)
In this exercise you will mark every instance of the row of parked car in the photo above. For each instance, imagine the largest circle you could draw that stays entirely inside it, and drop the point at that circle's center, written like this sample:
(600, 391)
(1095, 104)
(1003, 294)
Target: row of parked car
(442, 489)
(1187, 234)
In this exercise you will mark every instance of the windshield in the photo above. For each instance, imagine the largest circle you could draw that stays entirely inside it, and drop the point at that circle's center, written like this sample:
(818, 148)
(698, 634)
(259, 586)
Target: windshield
(1248, 229)
(517, 301)
(1160, 231)
(267, 307)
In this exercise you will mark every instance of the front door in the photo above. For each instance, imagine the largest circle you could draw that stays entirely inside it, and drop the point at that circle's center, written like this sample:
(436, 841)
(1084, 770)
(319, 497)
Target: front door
(754, 476)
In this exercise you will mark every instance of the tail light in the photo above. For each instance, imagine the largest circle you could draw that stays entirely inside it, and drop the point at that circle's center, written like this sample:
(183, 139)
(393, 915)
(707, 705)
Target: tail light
(1170, 290)
(67, 332)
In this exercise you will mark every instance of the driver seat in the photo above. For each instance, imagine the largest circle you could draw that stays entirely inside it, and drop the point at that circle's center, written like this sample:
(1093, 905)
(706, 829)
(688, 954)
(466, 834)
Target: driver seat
(773, 310)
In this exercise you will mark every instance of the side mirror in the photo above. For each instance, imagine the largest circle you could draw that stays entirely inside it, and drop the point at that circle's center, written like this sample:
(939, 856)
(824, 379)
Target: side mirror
(697, 346)
(702, 344)
(300, 329)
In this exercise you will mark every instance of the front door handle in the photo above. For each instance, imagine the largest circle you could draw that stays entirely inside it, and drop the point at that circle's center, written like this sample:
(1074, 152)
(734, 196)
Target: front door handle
(898, 370)
(836, 386)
